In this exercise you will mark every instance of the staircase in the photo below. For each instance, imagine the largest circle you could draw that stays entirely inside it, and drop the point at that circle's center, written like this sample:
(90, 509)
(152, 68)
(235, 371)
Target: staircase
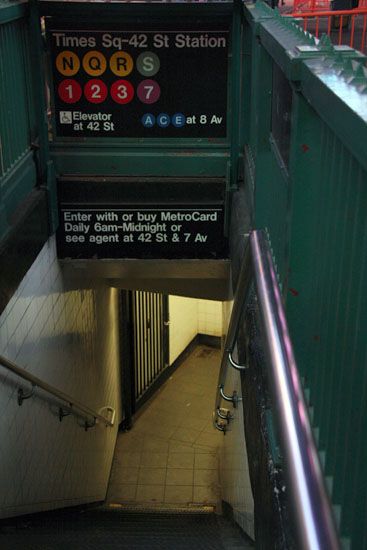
(111, 528)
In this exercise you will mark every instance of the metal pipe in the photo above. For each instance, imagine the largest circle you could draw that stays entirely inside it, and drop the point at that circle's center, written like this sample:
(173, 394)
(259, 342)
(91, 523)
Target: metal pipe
(72, 405)
(242, 291)
(309, 500)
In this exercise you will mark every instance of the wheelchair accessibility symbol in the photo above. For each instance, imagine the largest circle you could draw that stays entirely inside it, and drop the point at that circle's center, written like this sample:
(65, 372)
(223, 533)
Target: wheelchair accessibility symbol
(66, 117)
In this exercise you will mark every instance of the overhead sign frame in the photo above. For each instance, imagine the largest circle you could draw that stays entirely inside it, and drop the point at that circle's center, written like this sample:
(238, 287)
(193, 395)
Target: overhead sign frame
(141, 218)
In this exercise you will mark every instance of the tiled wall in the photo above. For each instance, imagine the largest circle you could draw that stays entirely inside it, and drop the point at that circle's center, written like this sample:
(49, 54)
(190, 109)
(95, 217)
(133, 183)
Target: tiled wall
(67, 337)
(189, 317)
(210, 317)
(183, 316)
(236, 488)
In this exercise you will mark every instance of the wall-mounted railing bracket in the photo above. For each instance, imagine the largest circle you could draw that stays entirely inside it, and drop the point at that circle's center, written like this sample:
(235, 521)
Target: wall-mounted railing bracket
(63, 413)
(22, 395)
(220, 426)
(90, 424)
(232, 398)
(111, 411)
(235, 399)
(234, 364)
(225, 414)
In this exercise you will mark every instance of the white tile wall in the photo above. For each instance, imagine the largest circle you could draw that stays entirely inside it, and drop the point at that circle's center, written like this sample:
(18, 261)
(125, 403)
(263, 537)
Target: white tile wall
(236, 487)
(183, 316)
(210, 317)
(189, 317)
(67, 337)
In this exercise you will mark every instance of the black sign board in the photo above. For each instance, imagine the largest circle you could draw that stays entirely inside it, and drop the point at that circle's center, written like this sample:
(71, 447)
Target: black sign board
(137, 227)
(143, 79)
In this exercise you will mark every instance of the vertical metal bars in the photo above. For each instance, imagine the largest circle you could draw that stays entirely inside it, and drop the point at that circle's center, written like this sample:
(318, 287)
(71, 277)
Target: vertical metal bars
(343, 26)
(338, 327)
(15, 67)
(149, 340)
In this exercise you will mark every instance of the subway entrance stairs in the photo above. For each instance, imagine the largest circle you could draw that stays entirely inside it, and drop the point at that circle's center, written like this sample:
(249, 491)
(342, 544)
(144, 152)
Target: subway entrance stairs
(164, 491)
(118, 528)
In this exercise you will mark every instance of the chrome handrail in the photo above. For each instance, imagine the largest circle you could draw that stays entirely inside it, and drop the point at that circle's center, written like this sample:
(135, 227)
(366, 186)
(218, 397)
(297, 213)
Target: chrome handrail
(72, 406)
(315, 523)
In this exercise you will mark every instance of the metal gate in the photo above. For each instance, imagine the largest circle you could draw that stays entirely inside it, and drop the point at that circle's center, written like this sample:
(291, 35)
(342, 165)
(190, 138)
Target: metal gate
(150, 342)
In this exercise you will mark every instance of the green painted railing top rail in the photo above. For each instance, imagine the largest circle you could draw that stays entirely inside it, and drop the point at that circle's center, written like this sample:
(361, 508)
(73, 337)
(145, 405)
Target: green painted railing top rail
(305, 163)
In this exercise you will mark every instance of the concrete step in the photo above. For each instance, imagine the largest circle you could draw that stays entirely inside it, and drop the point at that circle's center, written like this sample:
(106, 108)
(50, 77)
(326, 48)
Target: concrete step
(112, 529)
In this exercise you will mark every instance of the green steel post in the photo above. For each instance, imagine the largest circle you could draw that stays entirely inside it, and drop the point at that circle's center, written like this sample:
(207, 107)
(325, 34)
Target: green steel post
(245, 116)
(235, 83)
(45, 174)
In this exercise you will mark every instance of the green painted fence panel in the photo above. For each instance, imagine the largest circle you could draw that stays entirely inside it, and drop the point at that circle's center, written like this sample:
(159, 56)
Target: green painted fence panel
(23, 130)
(313, 203)
(15, 93)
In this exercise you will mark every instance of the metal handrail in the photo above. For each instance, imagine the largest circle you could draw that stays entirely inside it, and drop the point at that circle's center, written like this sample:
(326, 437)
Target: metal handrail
(231, 337)
(72, 405)
(309, 500)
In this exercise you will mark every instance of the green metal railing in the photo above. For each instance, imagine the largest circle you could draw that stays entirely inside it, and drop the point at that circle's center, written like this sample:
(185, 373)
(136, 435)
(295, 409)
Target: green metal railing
(23, 131)
(303, 148)
(15, 119)
(306, 160)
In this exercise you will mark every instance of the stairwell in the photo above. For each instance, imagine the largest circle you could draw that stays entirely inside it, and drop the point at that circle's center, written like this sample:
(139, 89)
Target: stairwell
(164, 490)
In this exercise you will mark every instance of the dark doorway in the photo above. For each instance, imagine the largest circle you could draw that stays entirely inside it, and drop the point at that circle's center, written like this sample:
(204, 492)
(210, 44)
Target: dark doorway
(144, 344)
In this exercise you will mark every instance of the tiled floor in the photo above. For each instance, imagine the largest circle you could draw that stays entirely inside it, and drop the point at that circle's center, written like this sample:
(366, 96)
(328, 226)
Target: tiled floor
(171, 454)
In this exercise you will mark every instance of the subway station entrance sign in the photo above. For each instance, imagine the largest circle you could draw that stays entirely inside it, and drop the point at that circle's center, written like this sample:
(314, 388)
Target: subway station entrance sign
(139, 80)
(135, 225)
